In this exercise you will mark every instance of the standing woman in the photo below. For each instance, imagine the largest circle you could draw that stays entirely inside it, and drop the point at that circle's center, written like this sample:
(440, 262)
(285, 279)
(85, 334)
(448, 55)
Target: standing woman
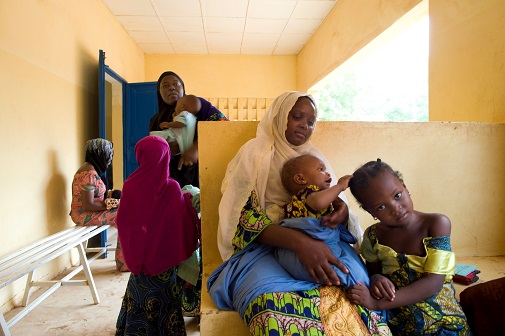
(159, 229)
(89, 205)
(183, 167)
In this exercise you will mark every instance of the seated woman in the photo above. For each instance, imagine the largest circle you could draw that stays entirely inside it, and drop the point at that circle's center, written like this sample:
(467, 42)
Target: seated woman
(89, 204)
(251, 280)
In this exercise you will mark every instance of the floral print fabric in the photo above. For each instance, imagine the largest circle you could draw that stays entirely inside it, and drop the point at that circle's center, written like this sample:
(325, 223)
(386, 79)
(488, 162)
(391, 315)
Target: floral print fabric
(299, 313)
(152, 306)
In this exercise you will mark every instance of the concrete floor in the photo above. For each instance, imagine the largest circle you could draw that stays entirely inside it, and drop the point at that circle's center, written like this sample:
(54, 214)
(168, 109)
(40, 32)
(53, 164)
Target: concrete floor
(70, 310)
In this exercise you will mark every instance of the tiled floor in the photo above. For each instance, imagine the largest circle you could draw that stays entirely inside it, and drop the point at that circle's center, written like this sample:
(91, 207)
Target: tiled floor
(70, 310)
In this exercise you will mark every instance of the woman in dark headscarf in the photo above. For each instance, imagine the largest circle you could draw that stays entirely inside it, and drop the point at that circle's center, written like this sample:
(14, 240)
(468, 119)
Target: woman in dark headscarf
(183, 167)
(90, 206)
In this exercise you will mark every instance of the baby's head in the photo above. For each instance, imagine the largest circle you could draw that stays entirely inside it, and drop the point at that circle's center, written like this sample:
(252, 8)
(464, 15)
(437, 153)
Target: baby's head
(302, 171)
(190, 103)
(374, 185)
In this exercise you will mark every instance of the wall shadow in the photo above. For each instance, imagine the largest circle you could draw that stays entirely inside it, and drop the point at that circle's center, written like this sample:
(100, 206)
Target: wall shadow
(57, 205)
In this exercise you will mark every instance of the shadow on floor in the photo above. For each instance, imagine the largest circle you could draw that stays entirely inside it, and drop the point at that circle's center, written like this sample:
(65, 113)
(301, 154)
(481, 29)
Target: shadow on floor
(70, 310)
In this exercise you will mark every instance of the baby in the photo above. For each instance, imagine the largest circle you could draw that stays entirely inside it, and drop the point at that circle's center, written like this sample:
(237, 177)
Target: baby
(306, 179)
(182, 128)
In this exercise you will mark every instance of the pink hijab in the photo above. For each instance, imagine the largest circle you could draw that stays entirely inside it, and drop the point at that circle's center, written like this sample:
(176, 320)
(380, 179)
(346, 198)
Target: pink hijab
(157, 225)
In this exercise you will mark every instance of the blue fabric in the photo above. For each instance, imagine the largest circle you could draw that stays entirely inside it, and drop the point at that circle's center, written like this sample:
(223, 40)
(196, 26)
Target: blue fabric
(338, 240)
(248, 274)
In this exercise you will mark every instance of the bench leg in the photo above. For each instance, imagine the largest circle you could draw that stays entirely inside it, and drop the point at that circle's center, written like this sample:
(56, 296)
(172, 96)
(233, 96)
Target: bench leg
(4, 329)
(28, 286)
(87, 272)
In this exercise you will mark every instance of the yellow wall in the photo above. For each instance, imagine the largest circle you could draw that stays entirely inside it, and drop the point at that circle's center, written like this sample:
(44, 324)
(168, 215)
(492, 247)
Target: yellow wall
(350, 26)
(467, 60)
(48, 86)
(467, 51)
(227, 75)
(449, 168)
(48, 98)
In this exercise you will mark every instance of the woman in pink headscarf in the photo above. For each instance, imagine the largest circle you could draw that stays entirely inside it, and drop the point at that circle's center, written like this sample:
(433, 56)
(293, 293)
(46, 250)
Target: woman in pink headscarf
(158, 229)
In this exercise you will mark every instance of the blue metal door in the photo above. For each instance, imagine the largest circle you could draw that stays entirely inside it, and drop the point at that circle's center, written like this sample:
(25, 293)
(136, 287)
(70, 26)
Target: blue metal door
(140, 105)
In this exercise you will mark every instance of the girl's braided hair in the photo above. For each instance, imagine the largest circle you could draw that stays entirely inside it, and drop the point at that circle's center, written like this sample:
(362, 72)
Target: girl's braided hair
(361, 177)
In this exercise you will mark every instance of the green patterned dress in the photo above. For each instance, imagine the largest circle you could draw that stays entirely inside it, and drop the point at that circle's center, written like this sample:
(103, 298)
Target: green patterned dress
(440, 314)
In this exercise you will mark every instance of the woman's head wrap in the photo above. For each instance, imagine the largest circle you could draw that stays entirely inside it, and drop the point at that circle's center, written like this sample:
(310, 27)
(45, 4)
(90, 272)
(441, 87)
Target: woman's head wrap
(99, 153)
(257, 166)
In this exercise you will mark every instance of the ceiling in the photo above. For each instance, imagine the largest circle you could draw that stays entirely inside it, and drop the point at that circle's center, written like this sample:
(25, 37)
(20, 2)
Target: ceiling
(252, 27)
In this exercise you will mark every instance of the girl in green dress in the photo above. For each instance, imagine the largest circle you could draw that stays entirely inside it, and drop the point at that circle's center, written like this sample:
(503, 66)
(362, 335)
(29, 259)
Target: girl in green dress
(408, 256)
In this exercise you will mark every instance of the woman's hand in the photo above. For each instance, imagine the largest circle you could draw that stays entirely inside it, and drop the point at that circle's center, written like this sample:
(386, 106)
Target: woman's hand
(317, 259)
(189, 157)
(382, 288)
(314, 254)
(339, 215)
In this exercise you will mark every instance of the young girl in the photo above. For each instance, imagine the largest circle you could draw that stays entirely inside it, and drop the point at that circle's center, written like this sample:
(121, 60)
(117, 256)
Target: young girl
(409, 258)
(158, 229)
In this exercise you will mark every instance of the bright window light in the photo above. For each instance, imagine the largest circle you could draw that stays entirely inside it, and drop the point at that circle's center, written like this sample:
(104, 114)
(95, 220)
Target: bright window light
(388, 84)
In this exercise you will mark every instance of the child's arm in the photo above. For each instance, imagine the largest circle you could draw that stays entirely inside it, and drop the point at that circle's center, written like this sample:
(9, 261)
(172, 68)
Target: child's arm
(171, 124)
(322, 199)
(427, 286)
(339, 215)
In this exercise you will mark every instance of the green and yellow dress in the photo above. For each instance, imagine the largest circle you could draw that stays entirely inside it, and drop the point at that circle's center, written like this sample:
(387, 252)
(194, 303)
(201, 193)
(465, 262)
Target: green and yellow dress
(440, 314)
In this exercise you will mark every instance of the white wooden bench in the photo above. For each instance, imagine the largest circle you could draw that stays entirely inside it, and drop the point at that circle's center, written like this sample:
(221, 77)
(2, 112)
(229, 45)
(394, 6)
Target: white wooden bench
(26, 261)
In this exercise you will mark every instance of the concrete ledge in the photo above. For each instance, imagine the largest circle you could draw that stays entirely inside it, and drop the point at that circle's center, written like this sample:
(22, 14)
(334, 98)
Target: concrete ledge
(214, 321)
(490, 268)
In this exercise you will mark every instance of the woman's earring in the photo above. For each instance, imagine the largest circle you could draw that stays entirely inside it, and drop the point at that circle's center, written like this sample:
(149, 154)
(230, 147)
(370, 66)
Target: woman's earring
(375, 218)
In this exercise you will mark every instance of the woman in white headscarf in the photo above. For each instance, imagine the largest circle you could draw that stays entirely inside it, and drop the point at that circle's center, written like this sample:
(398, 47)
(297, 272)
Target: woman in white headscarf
(250, 280)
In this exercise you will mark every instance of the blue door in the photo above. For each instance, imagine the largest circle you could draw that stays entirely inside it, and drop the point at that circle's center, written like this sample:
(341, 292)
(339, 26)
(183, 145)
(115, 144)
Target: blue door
(139, 106)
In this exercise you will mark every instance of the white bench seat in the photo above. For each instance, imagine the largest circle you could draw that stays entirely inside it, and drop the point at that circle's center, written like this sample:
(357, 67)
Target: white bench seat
(27, 260)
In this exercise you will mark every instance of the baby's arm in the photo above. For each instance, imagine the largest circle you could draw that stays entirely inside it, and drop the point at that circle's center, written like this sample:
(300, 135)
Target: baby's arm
(322, 199)
(171, 124)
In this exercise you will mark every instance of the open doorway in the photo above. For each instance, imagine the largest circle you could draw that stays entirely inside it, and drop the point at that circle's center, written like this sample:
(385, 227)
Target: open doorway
(111, 89)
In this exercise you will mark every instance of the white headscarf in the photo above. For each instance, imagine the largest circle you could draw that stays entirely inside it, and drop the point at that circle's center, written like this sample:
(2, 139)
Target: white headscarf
(257, 166)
